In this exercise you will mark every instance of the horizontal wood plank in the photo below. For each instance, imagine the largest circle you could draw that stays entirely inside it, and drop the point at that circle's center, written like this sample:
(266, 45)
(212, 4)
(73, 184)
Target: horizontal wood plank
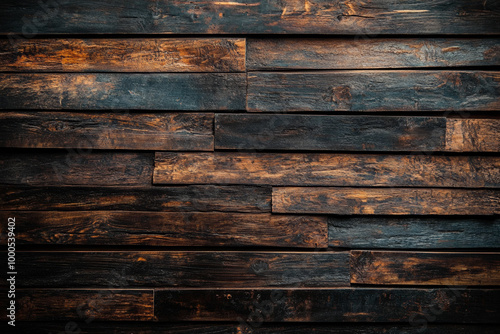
(124, 55)
(166, 229)
(114, 131)
(328, 132)
(473, 135)
(369, 53)
(118, 91)
(387, 201)
(326, 169)
(419, 268)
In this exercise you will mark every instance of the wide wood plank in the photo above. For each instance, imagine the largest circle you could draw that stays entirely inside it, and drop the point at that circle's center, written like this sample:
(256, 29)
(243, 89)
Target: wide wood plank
(473, 135)
(370, 53)
(175, 199)
(183, 269)
(166, 229)
(374, 91)
(413, 233)
(116, 131)
(76, 167)
(419, 268)
(387, 201)
(326, 169)
(98, 91)
(328, 132)
(330, 305)
(124, 55)
(370, 17)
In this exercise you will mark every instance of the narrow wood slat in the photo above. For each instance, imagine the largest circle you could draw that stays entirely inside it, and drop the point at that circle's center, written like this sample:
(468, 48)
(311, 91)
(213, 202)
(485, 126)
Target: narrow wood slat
(326, 169)
(183, 269)
(166, 229)
(419, 268)
(450, 305)
(387, 201)
(124, 55)
(374, 91)
(473, 135)
(116, 131)
(176, 199)
(369, 18)
(328, 132)
(413, 233)
(370, 53)
(98, 91)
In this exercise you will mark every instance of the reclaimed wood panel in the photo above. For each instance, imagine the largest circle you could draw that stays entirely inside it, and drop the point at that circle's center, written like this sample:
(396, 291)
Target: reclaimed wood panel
(369, 53)
(175, 199)
(473, 135)
(166, 229)
(249, 17)
(413, 233)
(329, 132)
(114, 131)
(429, 268)
(299, 169)
(386, 201)
(124, 55)
(374, 91)
(457, 305)
(98, 91)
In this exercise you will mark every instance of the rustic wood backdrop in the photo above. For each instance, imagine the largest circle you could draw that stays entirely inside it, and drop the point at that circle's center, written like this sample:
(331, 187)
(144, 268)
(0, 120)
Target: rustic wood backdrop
(252, 166)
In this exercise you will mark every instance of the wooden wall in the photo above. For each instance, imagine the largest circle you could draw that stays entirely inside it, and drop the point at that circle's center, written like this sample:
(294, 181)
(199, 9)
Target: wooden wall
(252, 166)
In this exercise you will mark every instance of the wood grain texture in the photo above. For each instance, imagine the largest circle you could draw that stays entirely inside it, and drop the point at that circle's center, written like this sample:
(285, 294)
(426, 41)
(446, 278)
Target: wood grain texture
(250, 17)
(387, 201)
(174, 199)
(116, 131)
(419, 268)
(166, 229)
(374, 91)
(413, 233)
(329, 305)
(473, 135)
(124, 55)
(76, 167)
(326, 169)
(183, 269)
(328, 132)
(369, 53)
(98, 91)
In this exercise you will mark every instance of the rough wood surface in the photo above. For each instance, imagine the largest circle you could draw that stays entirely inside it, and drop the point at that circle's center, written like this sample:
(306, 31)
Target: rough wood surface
(98, 91)
(374, 91)
(369, 53)
(327, 169)
(418, 268)
(387, 201)
(328, 132)
(166, 229)
(117, 131)
(473, 135)
(124, 55)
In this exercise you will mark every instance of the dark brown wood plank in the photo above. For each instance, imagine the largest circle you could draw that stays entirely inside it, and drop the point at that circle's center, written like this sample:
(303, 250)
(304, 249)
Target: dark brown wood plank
(175, 199)
(413, 233)
(182, 269)
(166, 229)
(328, 132)
(451, 305)
(473, 135)
(287, 169)
(76, 167)
(370, 53)
(419, 268)
(116, 131)
(374, 91)
(124, 55)
(386, 201)
(369, 17)
(98, 91)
